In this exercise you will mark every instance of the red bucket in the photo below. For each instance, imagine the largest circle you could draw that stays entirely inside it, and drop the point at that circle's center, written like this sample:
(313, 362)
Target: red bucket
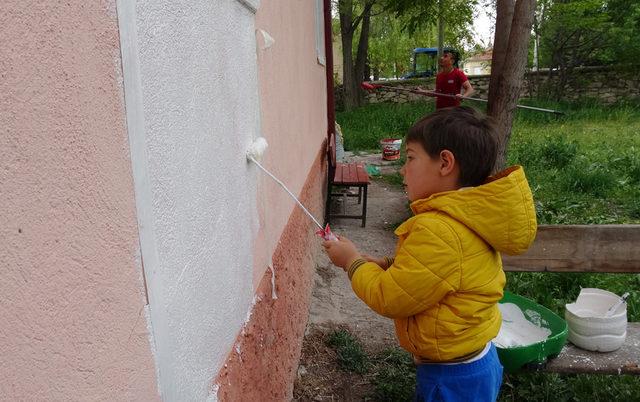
(390, 148)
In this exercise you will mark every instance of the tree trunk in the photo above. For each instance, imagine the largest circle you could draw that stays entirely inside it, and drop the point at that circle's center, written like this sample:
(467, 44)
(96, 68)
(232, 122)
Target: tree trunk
(363, 50)
(440, 28)
(508, 65)
(346, 37)
(353, 72)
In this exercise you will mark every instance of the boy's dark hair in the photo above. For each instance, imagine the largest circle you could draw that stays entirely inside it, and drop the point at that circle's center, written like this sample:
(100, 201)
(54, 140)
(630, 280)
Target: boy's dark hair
(468, 134)
(453, 54)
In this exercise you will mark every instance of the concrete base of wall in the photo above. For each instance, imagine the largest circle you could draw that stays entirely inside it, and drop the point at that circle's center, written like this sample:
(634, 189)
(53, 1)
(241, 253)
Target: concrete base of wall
(263, 363)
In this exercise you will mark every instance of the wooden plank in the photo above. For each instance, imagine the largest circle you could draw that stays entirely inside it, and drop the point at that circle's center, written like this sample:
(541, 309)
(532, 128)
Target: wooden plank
(625, 360)
(363, 176)
(581, 248)
(350, 174)
(353, 174)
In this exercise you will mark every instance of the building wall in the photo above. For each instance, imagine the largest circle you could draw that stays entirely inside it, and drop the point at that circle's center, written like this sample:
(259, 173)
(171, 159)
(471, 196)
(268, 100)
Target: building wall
(72, 302)
(139, 246)
(477, 67)
(293, 105)
(262, 364)
(193, 110)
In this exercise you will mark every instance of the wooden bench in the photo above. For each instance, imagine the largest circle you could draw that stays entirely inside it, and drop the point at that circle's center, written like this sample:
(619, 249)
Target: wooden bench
(346, 176)
(587, 248)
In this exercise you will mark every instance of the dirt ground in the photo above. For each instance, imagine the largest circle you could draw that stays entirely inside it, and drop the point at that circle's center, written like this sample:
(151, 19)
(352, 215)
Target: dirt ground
(333, 303)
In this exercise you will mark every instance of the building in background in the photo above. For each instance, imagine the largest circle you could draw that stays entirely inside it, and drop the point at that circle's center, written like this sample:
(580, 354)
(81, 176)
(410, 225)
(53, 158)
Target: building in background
(478, 64)
(143, 257)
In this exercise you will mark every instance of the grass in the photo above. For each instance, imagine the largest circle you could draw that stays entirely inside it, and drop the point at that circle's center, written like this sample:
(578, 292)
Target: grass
(392, 371)
(583, 168)
(365, 127)
(351, 356)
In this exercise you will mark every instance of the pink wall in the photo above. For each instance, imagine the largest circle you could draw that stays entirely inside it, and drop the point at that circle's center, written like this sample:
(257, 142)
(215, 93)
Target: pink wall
(72, 305)
(263, 363)
(264, 360)
(293, 114)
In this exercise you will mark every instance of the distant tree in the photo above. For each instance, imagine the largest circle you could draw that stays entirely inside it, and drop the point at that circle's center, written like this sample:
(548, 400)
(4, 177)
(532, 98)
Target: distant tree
(354, 15)
(457, 16)
(390, 45)
(355, 18)
(587, 32)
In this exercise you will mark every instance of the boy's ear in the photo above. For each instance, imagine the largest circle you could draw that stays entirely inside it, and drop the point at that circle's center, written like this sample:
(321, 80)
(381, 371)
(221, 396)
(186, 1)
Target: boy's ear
(447, 162)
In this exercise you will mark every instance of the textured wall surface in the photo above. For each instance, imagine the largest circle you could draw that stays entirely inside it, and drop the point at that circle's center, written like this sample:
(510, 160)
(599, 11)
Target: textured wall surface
(124, 182)
(293, 105)
(192, 109)
(72, 295)
(262, 365)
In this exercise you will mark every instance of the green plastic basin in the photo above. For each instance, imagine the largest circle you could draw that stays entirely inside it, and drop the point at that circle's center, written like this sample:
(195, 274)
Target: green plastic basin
(514, 358)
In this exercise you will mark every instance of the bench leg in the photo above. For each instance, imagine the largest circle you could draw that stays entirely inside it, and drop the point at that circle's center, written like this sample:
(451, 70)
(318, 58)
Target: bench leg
(364, 205)
(327, 207)
(359, 195)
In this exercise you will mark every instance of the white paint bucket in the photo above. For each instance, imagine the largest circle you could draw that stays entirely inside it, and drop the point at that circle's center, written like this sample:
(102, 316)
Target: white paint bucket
(390, 148)
(589, 326)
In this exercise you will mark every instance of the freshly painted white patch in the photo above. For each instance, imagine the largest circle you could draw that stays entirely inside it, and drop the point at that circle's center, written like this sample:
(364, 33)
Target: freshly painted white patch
(192, 107)
(273, 282)
(267, 40)
(213, 394)
(135, 128)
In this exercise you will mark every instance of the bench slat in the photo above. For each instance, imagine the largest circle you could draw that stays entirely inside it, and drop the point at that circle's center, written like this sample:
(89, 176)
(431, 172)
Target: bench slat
(350, 174)
(581, 248)
(353, 174)
(363, 176)
(625, 360)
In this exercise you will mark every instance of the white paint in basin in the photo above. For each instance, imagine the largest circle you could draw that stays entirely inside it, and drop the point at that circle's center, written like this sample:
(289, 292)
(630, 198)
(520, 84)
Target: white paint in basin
(517, 330)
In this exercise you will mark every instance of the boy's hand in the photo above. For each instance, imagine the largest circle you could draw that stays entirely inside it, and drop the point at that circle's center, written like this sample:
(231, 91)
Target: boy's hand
(382, 262)
(342, 252)
(421, 91)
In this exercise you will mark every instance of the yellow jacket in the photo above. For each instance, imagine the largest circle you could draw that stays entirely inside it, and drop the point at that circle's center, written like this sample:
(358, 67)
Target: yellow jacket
(444, 284)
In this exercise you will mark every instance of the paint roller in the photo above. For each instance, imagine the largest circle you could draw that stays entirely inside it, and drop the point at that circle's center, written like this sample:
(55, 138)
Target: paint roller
(254, 153)
(367, 86)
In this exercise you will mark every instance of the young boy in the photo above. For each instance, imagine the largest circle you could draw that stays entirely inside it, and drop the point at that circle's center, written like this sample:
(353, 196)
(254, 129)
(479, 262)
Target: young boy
(443, 286)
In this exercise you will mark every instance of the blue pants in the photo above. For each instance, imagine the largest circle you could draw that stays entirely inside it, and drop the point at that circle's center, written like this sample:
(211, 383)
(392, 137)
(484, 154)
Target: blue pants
(476, 381)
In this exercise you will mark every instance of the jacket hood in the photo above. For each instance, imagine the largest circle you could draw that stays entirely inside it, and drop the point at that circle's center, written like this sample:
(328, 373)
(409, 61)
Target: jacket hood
(501, 210)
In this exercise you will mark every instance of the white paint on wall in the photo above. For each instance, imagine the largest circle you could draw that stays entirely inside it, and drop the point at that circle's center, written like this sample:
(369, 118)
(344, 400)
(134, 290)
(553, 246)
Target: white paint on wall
(192, 111)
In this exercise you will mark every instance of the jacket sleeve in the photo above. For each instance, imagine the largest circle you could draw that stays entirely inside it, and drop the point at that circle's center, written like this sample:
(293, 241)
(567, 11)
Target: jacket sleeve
(427, 267)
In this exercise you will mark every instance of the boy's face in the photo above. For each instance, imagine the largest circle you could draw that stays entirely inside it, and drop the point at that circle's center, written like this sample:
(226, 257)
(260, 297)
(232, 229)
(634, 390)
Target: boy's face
(423, 175)
(446, 61)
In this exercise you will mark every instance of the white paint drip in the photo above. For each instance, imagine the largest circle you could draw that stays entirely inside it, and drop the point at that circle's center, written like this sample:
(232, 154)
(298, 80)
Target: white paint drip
(213, 393)
(267, 39)
(517, 330)
(274, 296)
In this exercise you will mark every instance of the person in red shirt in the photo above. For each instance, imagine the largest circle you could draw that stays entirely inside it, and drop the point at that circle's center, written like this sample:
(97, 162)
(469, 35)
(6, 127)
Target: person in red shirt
(450, 81)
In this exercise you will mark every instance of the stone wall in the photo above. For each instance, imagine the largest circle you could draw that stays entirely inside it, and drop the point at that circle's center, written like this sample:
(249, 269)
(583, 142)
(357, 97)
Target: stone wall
(607, 84)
